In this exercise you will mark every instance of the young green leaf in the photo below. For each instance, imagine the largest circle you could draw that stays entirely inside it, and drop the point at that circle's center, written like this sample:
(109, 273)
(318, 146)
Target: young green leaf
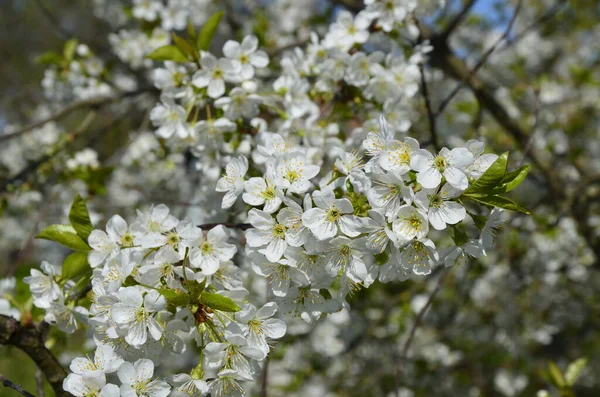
(80, 218)
(574, 370)
(218, 302)
(186, 48)
(70, 48)
(168, 53)
(208, 31)
(556, 376)
(491, 178)
(50, 58)
(195, 288)
(513, 179)
(65, 235)
(175, 297)
(497, 201)
(75, 265)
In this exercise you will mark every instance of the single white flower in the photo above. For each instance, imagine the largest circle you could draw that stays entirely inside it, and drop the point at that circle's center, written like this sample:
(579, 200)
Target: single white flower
(330, 215)
(439, 207)
(211, 252)
(267, 232)
(450, 164)
(259, 326)
(410, 224)
(233, 180)
(263, 191)
(43, 287)
(137, 380)
(247, 55)
(294, 173)
(105, 361)
(89, 386)
(171, 119)
(213, 74)
(135, 313)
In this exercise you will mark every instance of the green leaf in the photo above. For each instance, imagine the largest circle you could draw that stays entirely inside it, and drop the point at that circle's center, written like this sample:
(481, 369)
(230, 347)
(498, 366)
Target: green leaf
(497, 201)
(513, 179)
(574, 370)
(168, 53)
(191, 31)
(75, 265)
(208, 31)
(80, 218)
(195, 288)
(219, 302)
(186, 47)
(70, 48)
(65, 235)
(175, 297)
(130, 282)
(556, 376)
(491, 178)
(50, 58)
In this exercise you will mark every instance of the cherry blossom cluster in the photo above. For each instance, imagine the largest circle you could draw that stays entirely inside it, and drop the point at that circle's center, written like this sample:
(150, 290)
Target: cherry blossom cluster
(316, 240)
(160, 286)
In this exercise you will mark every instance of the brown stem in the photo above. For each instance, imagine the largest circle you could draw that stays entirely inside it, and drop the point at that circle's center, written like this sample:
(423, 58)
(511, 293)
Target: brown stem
(18, 388)
(29, 338)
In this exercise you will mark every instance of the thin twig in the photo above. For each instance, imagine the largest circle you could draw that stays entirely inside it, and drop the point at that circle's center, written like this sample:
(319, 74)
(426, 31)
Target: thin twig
(481, 61)
(18, 388)
(536, 115)
(265, 379)
(430, 116)
(65, 34)
(91, 103)
(417, 323)
(241, 226)
(545, 17)
(457, 20)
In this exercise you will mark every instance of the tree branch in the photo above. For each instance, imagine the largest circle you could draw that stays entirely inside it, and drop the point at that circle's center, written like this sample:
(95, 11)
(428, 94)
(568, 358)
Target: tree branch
(481, 61)
(458, 19)
(29, 338)
(8, 383)
(241, 226)
(416, 325)
(87, 103)
(432, 126)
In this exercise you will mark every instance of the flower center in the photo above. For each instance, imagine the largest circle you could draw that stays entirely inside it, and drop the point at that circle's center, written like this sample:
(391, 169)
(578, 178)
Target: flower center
(206, 248)
(435, 201)
(414, 222)
(333, 214)
(440, 163)
(126, 240)
(218, 74)
(279, 231)
(268, 193)
(173, 238)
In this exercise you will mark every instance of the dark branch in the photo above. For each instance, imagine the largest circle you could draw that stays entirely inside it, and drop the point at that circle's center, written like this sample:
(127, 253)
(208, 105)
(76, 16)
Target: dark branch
(458, 19)
(416, 325)
(87, 103)
(481, 61)
(241, 226)
(8, 383)
(430, 116)
(30, 339)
